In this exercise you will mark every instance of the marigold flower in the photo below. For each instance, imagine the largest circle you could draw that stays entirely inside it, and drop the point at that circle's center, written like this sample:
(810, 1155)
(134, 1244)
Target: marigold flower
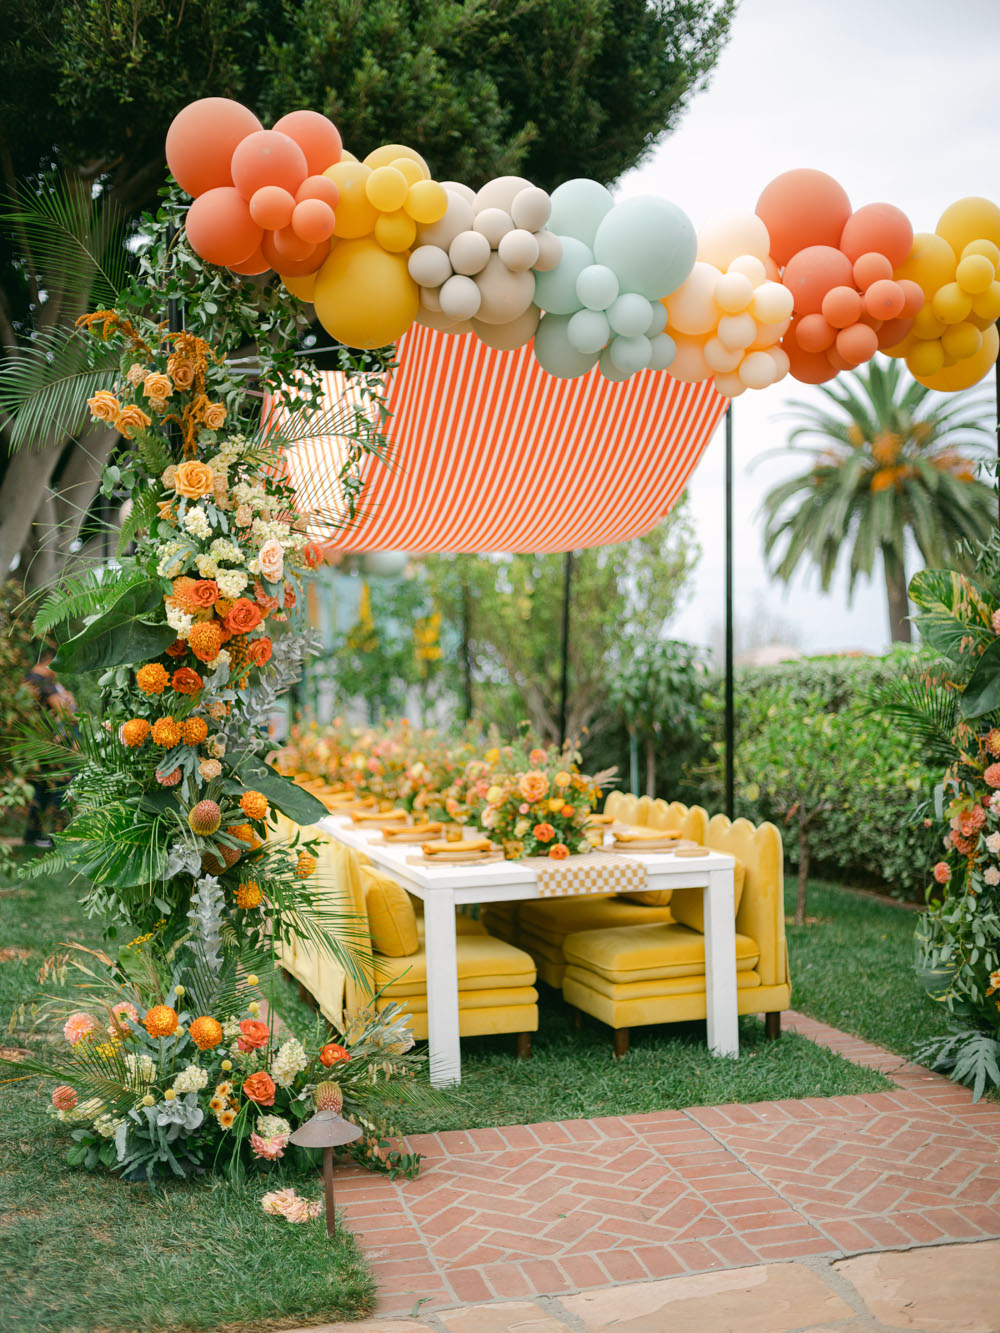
(243, 616)
(134, 732)
(254, 804)
(559, 851)
(305, 866)
(942, 872)
(260, 1088)
(186, 680)
(104, 406)
(182, 588)
(152, 678)
(130, 419)
(568, 811)
(193, 729)
(160, 1021)
(259, 650)
(241, 831)
(194, 479)
(166, 733)
(543, 832)
(248, 895)
(205, 640)
(205, 1032)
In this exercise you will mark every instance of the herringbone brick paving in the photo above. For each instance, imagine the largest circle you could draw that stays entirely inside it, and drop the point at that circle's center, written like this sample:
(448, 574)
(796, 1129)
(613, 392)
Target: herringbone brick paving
(545, 1209)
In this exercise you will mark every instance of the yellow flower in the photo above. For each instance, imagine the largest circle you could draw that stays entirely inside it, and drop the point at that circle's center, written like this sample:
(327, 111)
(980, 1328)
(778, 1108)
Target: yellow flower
(556, 803)
(492, 756)
(216, 1104)
(253, 979)
(253, 1007)
(149, 1100)
(494, 795)
(227, 1064)
(226, 1119)
(169, 1095)
(563, 779)
(178, 991)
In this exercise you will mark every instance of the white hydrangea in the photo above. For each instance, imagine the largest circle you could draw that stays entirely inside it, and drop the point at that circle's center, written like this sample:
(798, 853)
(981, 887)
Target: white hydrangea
(142, 1069)
(222, 659)
(290, 1060)
(269, 1125)
(196, 522)
(223, 549)
(172, 559)
(207, 566)
(231, 582)
(231, 1029)
(191, 1079)
(265, 530)
(107, 1125)
(242, 492)
(179, 621)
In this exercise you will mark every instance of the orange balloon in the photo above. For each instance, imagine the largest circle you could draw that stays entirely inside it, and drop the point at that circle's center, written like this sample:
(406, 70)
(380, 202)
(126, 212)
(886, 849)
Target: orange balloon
(268, 158)
(290, 246)
(803, 208)
(806, 367)
(201, 140)
(318, 187)
(893, 332)
(913, 297)
(841, 307)
(882, 228)
(885, 299)
(857, 343)
(869, 268)
(316, 135)
(220, 228)
(313, 220)
(814, 334)
(271, 207)
(294, 268)
(257, 263)
(812, 272)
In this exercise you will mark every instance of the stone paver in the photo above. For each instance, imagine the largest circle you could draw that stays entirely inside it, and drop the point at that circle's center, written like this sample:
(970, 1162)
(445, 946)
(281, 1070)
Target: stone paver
(904, 1291)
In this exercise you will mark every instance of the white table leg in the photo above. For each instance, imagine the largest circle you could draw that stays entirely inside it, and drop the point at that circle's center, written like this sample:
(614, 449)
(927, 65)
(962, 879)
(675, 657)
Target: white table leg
(442, 987)
(720, 964)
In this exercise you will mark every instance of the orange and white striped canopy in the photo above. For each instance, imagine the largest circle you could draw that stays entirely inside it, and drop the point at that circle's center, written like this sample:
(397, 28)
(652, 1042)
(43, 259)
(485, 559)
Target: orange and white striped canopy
(489, 453)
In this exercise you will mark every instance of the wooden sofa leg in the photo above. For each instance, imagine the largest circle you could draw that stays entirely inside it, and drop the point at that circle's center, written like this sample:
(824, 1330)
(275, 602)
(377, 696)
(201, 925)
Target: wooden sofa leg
(772, 1026)
(577, 1020)
(621, 1042)
(524, 1045)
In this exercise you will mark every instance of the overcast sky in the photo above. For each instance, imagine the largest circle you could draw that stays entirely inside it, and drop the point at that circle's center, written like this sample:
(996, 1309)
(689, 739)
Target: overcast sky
(900, 101)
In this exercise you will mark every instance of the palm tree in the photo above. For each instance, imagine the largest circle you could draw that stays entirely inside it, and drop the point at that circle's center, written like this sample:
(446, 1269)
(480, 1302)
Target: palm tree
(891, 459)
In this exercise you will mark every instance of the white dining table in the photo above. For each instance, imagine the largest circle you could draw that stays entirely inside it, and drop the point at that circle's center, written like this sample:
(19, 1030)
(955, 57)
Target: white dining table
(443, 888)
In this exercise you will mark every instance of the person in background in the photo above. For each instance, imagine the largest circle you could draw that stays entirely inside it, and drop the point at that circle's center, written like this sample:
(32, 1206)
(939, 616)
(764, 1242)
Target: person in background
(52, 696)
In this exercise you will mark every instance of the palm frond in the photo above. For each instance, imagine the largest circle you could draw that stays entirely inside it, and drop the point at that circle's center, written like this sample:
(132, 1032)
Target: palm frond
(924, 710)
(138, 519)
(76, 598)
(45, 387)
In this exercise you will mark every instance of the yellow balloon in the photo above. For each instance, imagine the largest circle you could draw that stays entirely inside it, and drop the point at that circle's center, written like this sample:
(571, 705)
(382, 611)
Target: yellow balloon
(365, 296)
(971, 219)
(931, 263)
(925, 357)
(950, 304)
(408, 168)
(987, 305)
(386, 157)
(961, 341)
(387, 189)
(974, 274)
(355, 214)
(395, 231)
(965, 373)
(427, 202)
(986, 248)
(345, 156)
(901, 349)
(303, 288)
(926, 324)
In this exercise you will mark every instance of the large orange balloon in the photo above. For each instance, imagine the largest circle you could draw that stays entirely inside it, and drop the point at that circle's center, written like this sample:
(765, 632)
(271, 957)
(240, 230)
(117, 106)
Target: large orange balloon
(268, 158)
(813, 272)
(201, 140)
(882, 228)
(963, 374)
(257, 263)
(802, 208)
(220, 228)
(317, 136)
(365, 297)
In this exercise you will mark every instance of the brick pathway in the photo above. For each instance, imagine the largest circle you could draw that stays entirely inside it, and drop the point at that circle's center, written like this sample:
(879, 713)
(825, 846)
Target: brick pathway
(540, 1210)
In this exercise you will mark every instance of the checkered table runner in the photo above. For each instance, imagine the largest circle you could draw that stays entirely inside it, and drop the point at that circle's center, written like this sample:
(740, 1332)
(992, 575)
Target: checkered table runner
(591, 873)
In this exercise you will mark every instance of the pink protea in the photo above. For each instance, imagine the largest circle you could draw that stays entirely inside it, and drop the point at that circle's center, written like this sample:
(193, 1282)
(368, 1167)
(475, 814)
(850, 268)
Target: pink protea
(942, 872)
(64, 1097)
(992, 776)
(270, 1148)
(170, 779)
(79, 1026)
(328, 1097)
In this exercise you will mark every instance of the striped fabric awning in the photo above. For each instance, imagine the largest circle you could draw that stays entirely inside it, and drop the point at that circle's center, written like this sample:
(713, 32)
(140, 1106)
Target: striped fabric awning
(490, 453)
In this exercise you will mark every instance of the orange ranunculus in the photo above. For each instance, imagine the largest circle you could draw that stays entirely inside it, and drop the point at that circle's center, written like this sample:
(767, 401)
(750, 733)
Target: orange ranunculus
(205, 640)
(104, 406)
(543, 832)
(213, 416)
(537, 757)
(559, 851)
(259, 650)
(533, 786)
(130, 419)
(243, 616)
(193, 479)
(260, 1088)
(186, 681)
(157, 387)
(332, 1054)
(253, 1035)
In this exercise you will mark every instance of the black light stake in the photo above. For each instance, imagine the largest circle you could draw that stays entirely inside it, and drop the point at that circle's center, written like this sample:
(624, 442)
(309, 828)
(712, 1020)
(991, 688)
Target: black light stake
(730, 717)
(564, 671)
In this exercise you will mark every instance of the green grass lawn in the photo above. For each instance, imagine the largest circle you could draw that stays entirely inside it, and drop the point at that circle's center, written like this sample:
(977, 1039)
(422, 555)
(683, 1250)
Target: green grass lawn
(84, 1251)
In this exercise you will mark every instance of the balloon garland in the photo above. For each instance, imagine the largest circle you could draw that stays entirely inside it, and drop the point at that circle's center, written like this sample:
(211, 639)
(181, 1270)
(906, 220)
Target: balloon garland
(803, 285)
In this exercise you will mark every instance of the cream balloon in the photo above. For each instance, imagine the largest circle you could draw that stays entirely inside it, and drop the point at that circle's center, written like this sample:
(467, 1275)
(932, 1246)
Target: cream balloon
(768, 334)
(518, 250)
(430, 297)
(501, 192)
(460, 297)
(458, 217)
(429, 266)
(733, 292)
(494, 224)
(463, 191)
(469, 253)
(550, 252)
(505, 295)
(731, 235)
(436, 319)
(771, 303)
(751, 267)
(531, 208)
(691, 308)
(737, 331)
(505, 337)
(757, 370)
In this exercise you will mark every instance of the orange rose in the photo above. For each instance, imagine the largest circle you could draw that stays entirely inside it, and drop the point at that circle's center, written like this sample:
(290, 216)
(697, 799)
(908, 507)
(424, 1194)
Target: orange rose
(204, 593)
(186, 681)
(166, 510)
(104, 406)
(272, 560)
(181, 371)
(193, 479)
(177, 649)
(332, 1054)
(559, 851)
(259, 651)
(543, 832)
(243, 616)
(130, 419)
(260, 1088)
(253, 1035)
(213, 416)
(157, 387)
(533, 786)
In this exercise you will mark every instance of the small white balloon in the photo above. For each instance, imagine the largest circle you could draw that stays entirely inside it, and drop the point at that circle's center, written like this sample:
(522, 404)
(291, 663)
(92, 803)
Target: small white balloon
(550, 252)
(662, 352)
(597, 287)
(518, 250)
(751, 267)
(531, 208)
(494, 224)
(501, 192)
(588, 330)
(631, 354)
(457, 218)
(737, 331)
(772, 303)
(631, 315)
(460, 297)
(469, 253)
(733, 292)
(718, 357)
(429, 266)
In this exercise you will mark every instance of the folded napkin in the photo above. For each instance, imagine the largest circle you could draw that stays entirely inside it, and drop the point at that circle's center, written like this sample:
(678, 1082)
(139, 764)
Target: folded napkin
(600, 819)
(416, 833)
(457, 848)
(647, 835)
(387, 816)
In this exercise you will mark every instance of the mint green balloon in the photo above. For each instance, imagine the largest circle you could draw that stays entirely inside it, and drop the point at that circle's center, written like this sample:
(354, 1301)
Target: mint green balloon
(650, 243)
(608, 368)
(663, 349)
(556, 354)
(555, 290)
(578, 206)
(588, 330)
(631, 314)
(630, 354)
(597, 287)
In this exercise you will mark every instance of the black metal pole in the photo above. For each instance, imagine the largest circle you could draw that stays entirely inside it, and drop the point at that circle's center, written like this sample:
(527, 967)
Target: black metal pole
(564, 669)
(466, 654)
(730, 717)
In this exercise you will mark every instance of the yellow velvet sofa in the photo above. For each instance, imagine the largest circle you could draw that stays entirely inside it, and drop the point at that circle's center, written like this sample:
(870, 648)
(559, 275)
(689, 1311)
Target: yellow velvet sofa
(541, 926)
(385, 959)
(636, 975)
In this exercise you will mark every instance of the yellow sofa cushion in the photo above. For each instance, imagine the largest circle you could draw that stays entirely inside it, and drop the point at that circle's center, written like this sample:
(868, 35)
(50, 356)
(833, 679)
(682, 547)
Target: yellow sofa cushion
(483, 963)
(555, 918)
(688, 905)
(649, 897)
(643, 953)
(391, 918)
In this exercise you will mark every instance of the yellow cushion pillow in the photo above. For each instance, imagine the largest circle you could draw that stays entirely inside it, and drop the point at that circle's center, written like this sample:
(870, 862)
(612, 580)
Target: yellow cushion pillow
(391, 918)
(688, 905)
(649, 897)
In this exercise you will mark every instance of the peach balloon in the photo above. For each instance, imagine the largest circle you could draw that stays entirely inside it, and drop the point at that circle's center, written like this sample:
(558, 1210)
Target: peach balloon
(691, 308)
(290, 246)
(811, 273)
(885, 299)
(731, 235)
(813, 334)
(689, 365)
(869, 268)
(316, 135)
(913, 297)
(356, 214)
(220, 228)
(882, 228)
(268, 158)
(313, 220)
(201, 140)
(806, 367)
(271, 207)
(857, 344)
(841, 307)
(256, 264)
(802, 209)
(318, 187)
